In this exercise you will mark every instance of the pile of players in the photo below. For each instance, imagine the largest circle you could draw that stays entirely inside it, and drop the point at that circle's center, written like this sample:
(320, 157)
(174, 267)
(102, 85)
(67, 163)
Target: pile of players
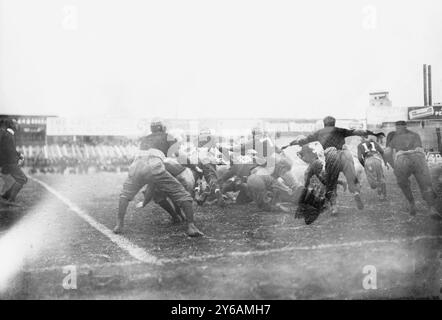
(171, 171)
(261, 172)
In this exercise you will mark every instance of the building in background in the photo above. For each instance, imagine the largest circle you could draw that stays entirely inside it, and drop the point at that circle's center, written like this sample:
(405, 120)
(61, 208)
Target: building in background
(380, 99)
(424, 120)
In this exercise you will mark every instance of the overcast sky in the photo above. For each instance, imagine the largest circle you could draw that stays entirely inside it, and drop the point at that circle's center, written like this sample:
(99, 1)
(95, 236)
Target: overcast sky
(234, 59)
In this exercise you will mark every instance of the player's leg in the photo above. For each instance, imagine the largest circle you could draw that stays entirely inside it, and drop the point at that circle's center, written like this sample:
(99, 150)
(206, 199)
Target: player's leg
(161, 199)
(402, 171)
(332, 169)
(375, 176)
(423, 178)
(348, 168)
(382, 186)
(187, 179)
(209, 173)
(388, 156)
(331, 192)
(178, 211)
(8, 181)
(166, 183)
(130, 188)
(380, 178)
(133, 184)
(148, 193)
(20, 180)
(311, 203)
(370, 173)
(436, 177)
(170, 208)
(383, 191)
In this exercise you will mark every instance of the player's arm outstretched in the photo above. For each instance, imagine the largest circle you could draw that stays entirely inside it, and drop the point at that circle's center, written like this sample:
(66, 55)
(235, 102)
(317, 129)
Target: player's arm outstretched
(363, 133)
(302, 141)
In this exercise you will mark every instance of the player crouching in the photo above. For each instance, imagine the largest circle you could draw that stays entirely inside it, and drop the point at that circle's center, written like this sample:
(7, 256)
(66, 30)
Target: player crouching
(149, 169)
(264, 185)
(184, 176)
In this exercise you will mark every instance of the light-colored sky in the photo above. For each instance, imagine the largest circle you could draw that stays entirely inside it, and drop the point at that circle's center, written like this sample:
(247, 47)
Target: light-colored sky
(290, 59)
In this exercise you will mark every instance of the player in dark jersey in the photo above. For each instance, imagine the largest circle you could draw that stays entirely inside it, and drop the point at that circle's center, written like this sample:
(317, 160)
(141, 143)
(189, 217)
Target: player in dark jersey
(148, 168)
(371, 156)
(312, 200)
(10, 160)
(409, 159)
(334, 137)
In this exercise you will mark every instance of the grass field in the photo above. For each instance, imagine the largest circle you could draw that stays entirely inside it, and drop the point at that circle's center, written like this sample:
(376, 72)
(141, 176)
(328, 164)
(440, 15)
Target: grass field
(246, 254)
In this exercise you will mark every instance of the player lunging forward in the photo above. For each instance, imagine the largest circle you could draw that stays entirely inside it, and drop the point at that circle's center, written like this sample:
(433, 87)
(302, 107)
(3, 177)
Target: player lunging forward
(338, 160)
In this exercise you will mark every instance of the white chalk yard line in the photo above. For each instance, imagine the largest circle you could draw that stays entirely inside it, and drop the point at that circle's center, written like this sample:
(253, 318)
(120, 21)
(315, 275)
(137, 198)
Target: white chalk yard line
(135, 251)
(354, 244)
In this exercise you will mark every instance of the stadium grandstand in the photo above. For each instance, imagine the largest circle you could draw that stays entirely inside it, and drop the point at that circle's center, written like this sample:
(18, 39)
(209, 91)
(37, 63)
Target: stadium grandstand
(80, 145)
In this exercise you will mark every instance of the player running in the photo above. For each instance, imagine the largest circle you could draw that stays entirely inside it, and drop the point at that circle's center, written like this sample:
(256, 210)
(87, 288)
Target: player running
(338, 160)
(371, 156)
(312, 201)
(408, 156)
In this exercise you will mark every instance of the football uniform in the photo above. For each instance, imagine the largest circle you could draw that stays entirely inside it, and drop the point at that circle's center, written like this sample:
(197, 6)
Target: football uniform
(370, 155)
(149, 168)
(9, 164)
(332, 140)
(409, 159)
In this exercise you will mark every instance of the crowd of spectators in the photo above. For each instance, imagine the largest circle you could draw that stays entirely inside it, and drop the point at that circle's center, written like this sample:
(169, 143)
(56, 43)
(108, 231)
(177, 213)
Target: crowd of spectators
(77, 159)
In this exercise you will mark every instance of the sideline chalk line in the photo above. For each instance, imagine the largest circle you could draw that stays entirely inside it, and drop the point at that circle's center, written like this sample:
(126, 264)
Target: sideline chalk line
(122, 242)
